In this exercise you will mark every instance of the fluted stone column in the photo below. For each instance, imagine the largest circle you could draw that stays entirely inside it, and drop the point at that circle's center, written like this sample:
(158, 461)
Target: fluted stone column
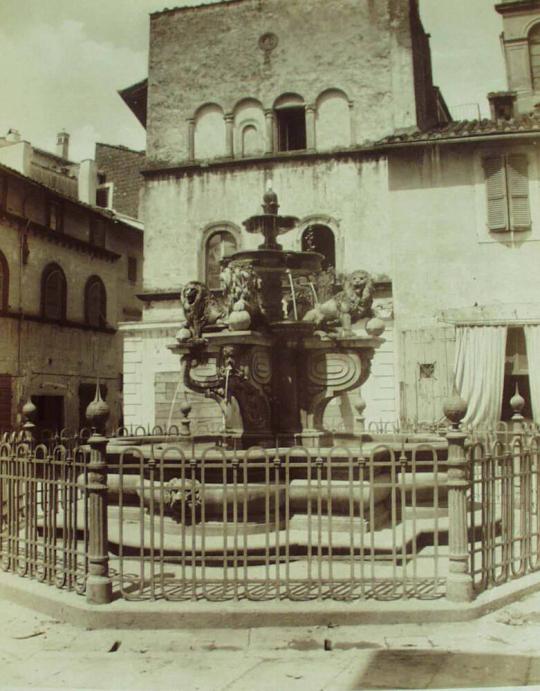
(229, 134)
(191, 139)
(98, 583)
(310, 128)
(459, 584)
(269, 143)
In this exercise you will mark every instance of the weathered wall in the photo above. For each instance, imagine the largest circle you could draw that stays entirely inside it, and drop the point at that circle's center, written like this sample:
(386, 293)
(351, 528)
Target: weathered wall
(187, 69)
(349, 195)
(54, 359)
(122, 166)
(444, 257)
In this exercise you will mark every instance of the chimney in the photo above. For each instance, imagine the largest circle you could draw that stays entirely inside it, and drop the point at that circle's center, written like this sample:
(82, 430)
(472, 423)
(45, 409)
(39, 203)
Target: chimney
(502, 104)
(13, 136)
(87, 180)
(62, 144)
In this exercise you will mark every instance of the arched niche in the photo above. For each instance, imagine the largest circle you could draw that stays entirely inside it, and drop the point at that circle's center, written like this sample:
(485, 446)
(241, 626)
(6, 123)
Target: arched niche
(249, 128)
(209, 135)
(317, 237)
(333, 122)
(218, 240)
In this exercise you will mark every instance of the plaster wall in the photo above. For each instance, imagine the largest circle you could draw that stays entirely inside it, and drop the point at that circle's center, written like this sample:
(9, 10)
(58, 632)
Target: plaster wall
(349, 195)
(444, 256)
(373, 65)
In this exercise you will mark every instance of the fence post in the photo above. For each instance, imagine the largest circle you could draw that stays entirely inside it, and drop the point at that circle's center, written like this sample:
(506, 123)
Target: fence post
(517, 403)
(98, 583)
(459, 583)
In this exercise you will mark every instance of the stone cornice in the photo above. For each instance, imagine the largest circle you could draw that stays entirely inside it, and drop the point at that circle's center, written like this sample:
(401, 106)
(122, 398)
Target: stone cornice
(65, 323)
(57, 237)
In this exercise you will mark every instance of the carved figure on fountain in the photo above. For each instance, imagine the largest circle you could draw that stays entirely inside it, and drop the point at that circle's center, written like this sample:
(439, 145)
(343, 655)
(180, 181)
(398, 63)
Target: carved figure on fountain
(348, 306)
(201, 309)
(242, 288)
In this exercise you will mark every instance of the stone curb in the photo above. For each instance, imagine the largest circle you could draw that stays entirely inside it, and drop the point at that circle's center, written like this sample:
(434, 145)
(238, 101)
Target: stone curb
(71, 608)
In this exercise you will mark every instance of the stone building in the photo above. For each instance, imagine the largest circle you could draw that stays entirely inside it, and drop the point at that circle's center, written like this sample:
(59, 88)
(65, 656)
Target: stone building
(360, 146)
(243, 92)
(66, 281)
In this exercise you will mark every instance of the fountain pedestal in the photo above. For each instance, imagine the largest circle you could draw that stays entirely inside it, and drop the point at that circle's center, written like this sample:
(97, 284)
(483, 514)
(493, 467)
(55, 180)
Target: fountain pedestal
(273, 388)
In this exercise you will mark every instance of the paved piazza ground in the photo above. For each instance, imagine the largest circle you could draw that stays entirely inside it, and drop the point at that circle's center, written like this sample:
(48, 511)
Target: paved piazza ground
(501, 649)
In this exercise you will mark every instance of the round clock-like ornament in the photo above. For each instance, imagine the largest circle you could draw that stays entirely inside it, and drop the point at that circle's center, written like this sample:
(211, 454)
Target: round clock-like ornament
(268, 41)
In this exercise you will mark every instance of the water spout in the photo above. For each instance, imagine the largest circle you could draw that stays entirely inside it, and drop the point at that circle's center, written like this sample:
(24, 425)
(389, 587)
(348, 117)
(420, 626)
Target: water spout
(293, 295)
(171, 409)
(315, 296)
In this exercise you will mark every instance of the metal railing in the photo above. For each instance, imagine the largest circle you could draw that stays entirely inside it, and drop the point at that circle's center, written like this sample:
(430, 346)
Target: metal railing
(260, 524)
(44, 514)
(169, 518)
(504, 532)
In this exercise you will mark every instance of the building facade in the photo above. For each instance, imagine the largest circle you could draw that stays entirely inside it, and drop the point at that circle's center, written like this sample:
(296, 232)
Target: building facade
(359, 145)
(278, 107)
(65, 284)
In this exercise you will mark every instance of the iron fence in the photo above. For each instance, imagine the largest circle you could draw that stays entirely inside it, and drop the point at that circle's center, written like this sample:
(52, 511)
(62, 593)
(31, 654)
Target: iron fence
(504, 532)
(163, 519)
(295, 524)
(44, 513)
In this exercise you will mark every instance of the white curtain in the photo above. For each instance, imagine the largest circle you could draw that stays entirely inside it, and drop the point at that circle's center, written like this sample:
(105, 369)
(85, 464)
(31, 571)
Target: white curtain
(479, 371)
(532, 340)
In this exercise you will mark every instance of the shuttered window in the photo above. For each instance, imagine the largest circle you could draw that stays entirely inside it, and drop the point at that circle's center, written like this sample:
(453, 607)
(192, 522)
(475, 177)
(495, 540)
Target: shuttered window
(507, 191)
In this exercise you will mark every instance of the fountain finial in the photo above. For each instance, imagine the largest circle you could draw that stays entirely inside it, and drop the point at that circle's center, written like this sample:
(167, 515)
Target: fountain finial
(270, 200)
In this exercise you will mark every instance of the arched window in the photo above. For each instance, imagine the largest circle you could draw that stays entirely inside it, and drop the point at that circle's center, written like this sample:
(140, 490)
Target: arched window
(319, 238)
(53, 292)
(95, 302)
(219, 245)
(4, 282)
(290, 112)
(534, 56)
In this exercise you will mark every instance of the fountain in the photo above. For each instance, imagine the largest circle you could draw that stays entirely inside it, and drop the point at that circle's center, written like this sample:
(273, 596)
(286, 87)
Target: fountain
(270, 354)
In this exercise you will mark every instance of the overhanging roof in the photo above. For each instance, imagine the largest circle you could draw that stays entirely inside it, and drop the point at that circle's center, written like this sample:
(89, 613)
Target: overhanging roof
(135, 97)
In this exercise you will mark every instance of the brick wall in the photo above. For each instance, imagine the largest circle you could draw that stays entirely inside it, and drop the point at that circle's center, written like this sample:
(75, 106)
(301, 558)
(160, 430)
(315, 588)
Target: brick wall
(121, 166)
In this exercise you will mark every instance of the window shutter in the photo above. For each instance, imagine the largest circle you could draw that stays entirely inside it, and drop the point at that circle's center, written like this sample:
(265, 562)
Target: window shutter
(494, 169)
(518, 191)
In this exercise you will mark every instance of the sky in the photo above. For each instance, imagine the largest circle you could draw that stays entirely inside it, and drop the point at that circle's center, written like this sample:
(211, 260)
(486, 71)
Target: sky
(63, 61)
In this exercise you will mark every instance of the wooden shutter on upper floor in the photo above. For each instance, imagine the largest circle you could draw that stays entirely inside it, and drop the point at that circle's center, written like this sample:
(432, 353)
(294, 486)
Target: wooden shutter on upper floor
(518, 191)
(494, 168)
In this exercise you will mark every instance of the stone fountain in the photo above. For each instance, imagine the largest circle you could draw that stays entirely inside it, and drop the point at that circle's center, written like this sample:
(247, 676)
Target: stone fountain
(272, 352)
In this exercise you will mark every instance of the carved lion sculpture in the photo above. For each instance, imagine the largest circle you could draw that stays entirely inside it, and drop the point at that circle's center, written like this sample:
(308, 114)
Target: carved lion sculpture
(200, 308)
(352, 303)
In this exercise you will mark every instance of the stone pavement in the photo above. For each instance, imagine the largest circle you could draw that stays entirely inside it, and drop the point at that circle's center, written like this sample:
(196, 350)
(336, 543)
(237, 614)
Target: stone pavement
(501, 649)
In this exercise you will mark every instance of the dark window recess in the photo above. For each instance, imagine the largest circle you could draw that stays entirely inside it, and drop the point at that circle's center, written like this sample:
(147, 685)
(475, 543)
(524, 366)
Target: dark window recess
(132, 269)
(319, 238)
(103, 197)
(53, 293)
(95, 302)
(427, 370)
(55, 219)
(5, 402)
(291, 123)
(4, 282)
(97, 232)
(49, 415)
(3, 191)
(516, 373)
(87, 394)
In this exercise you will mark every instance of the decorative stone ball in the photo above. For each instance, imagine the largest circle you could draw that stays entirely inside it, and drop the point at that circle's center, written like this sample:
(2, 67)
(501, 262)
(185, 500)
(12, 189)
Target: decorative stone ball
(239, 320)
(183, 334)
(97, 412)
(375, 326)
(360, 406)
(185, 408)
(517, 402)
(29, 410)
(455, 408)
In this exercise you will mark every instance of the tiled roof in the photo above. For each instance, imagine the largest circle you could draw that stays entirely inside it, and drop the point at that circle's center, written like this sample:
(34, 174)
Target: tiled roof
(468, 129)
